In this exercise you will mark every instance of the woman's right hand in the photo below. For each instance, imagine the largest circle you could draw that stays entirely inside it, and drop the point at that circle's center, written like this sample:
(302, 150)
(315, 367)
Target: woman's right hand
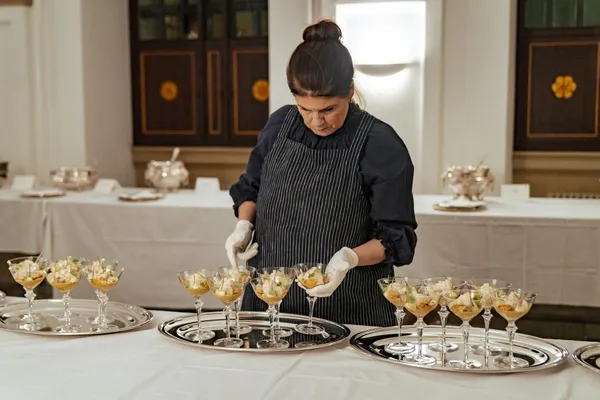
(239, 244)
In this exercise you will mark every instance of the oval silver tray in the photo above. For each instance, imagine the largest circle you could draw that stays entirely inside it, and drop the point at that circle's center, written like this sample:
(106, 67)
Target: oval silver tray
(588, 356)
(334, 333)
(540, 353)
(126, 317)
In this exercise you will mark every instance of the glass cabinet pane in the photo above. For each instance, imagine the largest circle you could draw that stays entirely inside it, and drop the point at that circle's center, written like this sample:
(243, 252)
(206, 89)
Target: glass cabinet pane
(149, 2)
(172, 27)
(190, 26)
(172, 2)
(249, 18)
(564, 13)
(591, 13)
(535, 13)
(150, 28)
(214, 19)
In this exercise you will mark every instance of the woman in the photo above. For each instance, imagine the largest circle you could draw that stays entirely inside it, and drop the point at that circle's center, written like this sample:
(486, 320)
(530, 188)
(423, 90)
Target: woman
(327, 182)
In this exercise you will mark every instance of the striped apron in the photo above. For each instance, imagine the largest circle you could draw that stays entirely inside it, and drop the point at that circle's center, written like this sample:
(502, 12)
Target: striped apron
(310, 205)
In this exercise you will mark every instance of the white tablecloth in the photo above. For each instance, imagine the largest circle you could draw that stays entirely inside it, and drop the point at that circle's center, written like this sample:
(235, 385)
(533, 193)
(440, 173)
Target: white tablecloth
(550, 246)
(145, 365)
(152, 241)
(21, 223)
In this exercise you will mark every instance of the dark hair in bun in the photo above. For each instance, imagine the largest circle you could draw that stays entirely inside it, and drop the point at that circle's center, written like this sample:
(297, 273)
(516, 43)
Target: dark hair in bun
(321, 65)
(323, 31)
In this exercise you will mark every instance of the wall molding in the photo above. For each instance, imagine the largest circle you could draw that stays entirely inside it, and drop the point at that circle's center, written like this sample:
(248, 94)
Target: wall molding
(556, 161)
(13, 3)
(225, 163)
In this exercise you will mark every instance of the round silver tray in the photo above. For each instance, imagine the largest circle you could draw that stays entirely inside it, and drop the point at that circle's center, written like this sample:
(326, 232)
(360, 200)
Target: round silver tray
(175, 328)
(126, 317)
(588, 356)
(540, 353)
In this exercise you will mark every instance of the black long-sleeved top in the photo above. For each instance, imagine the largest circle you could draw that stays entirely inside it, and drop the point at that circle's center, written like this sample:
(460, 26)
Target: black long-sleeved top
(386, 171)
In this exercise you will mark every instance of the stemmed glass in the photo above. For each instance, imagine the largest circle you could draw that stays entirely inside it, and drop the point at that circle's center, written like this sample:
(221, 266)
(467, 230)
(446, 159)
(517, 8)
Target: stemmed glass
(243, 275)
(512, 304)
(197, 284)
(466, 306)
(271, 286)
(310, 276)
(64, 275)
(394, 290)
(227, 290)
(444, 286)
(420, 300)
(487, 287)
(28, 273)
(103, 276)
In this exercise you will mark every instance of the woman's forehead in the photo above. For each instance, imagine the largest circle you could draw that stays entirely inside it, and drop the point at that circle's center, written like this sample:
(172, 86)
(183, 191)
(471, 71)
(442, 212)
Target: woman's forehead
(318, 103)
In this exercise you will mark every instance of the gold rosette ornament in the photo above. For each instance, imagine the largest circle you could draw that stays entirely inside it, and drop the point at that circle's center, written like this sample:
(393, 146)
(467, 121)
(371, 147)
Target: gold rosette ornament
(168, 90)
(564, 87)
(260, 90)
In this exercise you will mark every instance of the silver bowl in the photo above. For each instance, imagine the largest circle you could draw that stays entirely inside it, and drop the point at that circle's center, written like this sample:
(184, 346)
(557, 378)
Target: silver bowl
(69, 178)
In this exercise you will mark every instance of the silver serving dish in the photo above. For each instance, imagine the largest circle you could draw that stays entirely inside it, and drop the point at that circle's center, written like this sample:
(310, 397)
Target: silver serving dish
(176, 328)
(166, 176)
(125, 316)
(588, 356)
(540, 353)
(468, 182)
(69, 178)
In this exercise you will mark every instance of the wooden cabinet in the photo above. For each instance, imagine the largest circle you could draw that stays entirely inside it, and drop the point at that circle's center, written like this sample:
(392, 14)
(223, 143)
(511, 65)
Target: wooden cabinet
(558, 75)
(199, 71)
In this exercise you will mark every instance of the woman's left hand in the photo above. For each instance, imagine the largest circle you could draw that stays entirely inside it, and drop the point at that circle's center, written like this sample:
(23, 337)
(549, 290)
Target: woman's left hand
(337, 268)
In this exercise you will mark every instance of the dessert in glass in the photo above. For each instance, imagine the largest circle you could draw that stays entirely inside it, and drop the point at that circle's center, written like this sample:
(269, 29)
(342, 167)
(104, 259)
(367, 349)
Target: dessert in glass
(279, 331)
(445, 287)
(227, 290)
(466, 306)
(420, 300)
(243, 275)
(103, 276)
(197, 284)
(64, 275)
(310, 276)
(271, 285)
(394, 290)
(487, 287)
(29, 273)
(512, 304)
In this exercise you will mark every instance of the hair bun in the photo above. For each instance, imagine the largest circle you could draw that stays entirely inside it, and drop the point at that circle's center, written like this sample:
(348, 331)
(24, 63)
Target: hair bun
(322, 31)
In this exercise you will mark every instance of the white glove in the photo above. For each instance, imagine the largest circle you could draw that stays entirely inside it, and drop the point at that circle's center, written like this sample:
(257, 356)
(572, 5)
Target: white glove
(337, 268)
(238, 244)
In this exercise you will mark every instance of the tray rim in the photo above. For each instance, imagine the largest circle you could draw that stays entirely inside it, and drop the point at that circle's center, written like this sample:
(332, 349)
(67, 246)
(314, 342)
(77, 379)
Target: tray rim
(343, 340)
(580, 350)
(4, 327)
(563, 352)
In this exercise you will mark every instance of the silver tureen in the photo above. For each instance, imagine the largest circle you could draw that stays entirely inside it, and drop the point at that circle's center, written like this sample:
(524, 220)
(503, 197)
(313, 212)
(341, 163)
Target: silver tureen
(166, 176)
(468, 182)
(71, 178)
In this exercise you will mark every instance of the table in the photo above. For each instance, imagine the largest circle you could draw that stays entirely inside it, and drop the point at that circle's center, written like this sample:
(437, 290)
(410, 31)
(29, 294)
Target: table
(144, 365)
(152, 241)
(550, 246)
(22, 223)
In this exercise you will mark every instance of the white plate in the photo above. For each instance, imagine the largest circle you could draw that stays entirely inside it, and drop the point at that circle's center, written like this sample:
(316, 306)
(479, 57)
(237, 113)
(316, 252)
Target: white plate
(141, 196)
(42, 193)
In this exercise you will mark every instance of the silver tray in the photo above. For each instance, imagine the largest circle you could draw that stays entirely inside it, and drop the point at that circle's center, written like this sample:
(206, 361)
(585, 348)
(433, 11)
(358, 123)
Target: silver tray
(126, 317)
(334, 333)
(588, 356)
(540, 353)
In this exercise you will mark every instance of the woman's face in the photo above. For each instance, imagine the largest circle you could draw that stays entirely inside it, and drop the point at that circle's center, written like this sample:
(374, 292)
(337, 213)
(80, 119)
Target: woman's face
(323, 115)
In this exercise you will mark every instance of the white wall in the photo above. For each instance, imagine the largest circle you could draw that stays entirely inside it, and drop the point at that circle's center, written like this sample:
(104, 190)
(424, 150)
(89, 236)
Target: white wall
(478, 84)
(66, 106)
(455, 107)
(15, 91)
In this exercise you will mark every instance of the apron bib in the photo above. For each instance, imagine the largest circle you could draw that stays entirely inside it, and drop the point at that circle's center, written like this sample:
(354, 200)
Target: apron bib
(310, 205)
